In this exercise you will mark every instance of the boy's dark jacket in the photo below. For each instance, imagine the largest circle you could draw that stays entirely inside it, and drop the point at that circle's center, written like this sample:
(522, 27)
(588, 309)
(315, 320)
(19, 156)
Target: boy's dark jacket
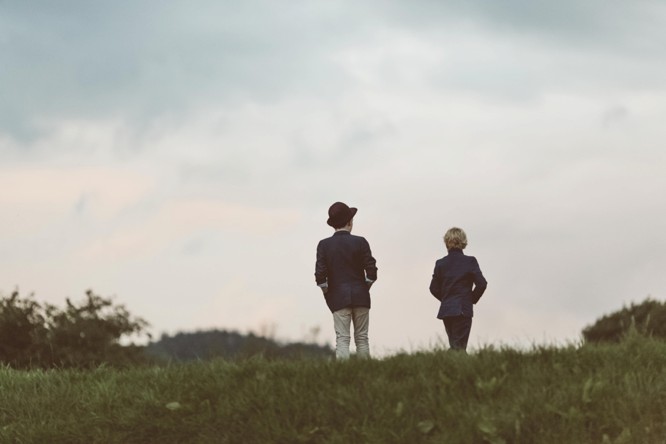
(344, 261)
(452, 282)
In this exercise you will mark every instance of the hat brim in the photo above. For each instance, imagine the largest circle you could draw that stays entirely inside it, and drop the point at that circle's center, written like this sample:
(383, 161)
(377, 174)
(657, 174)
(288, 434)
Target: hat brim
(342, 221)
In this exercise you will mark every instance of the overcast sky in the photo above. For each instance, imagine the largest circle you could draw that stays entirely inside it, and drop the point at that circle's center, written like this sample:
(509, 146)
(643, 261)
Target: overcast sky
(182, 157)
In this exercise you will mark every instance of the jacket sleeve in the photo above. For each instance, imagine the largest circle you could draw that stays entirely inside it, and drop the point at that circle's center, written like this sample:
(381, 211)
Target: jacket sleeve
(480, 283)
(321, 271)
(436, 284)
(369, 262)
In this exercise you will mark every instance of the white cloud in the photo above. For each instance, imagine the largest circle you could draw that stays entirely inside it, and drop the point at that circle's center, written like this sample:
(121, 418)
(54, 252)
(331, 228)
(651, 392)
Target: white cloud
(32, 198)
(176, 221)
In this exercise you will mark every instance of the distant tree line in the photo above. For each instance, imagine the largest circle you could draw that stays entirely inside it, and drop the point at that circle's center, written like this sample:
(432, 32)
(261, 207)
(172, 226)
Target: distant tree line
(203, 345)
(647, 318)
(88, 334)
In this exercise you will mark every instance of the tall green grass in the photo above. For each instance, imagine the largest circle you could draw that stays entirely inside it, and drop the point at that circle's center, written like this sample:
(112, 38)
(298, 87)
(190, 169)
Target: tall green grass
(590, 394)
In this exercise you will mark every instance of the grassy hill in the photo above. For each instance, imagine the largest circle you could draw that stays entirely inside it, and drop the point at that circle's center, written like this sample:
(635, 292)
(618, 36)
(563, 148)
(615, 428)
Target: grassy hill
(589, 394)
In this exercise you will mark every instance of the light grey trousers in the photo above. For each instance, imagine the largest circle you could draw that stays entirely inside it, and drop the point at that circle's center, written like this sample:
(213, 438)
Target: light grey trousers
(342, 320)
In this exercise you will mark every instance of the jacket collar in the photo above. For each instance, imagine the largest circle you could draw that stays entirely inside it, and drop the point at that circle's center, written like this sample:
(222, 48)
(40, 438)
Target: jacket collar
(455, 251)
(341, 233)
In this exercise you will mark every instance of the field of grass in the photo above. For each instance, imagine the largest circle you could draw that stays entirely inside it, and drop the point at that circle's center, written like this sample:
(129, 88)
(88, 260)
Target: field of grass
(590, 394)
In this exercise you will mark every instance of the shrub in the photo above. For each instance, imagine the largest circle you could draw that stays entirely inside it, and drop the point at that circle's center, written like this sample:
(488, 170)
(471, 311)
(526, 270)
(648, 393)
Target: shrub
(81, 335)
(648, 318)
(23, 331)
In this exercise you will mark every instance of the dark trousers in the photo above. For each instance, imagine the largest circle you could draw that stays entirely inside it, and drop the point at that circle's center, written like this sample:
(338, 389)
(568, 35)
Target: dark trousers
(457, 329)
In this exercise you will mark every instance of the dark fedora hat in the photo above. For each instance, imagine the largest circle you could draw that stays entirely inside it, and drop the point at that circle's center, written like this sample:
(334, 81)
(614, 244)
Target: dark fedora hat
(339, 214)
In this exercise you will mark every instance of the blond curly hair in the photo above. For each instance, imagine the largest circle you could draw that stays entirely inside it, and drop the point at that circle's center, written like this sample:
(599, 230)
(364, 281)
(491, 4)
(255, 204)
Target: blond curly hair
(455, 238)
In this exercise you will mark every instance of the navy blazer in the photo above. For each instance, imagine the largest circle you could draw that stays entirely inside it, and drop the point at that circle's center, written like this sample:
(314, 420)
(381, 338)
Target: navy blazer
(344, 261)
(452, 282)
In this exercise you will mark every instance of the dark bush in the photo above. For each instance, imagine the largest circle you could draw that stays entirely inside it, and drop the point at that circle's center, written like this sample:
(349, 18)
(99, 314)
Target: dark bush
(647, 318)
(83, 336)
(23, 331)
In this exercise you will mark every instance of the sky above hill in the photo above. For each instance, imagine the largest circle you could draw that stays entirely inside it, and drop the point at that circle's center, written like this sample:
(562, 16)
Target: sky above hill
(182, 157)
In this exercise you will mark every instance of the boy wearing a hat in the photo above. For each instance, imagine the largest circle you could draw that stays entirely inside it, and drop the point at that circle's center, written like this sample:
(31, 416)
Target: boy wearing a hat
(345, 270)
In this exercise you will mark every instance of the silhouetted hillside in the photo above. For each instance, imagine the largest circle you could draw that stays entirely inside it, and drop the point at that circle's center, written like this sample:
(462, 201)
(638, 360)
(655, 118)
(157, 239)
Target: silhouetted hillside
(202, 345)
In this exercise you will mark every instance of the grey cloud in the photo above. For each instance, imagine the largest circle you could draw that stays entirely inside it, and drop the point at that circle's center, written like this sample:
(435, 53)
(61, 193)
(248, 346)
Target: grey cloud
(195, 245)
(598, 24)
(140, 58)
(529, 48)
(614, 116)
(208, 173)
(361, 146)
(82, 204)
(490, 78)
